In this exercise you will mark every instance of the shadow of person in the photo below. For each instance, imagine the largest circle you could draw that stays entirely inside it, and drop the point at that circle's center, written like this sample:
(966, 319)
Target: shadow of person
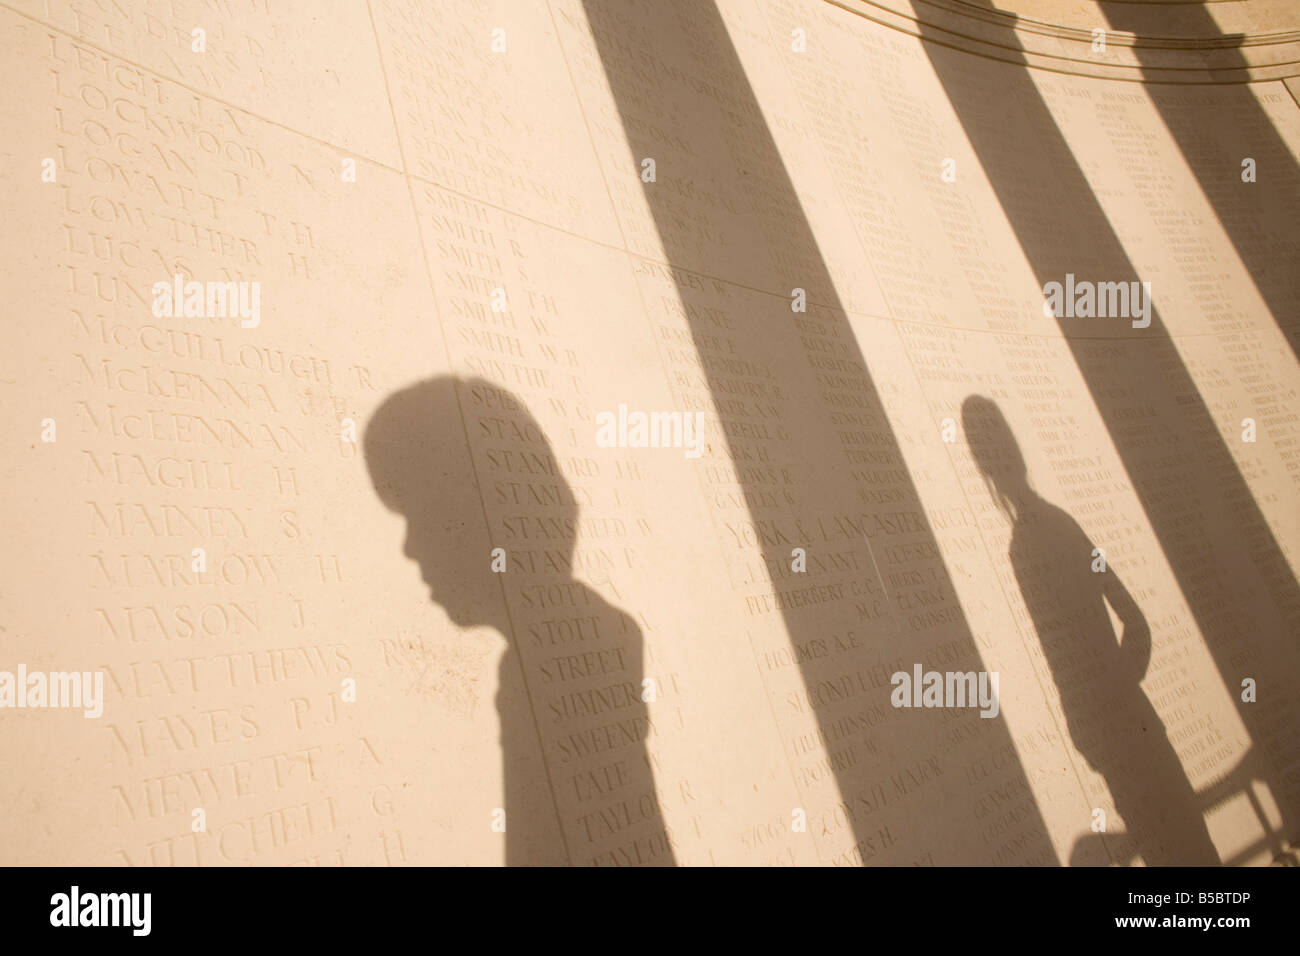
(1110, 719)
(578, 783)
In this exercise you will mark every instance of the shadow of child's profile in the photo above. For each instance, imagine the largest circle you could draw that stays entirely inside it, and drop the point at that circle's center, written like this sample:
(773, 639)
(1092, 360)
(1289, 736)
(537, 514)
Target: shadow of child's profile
(578, 781)
(1109, 717)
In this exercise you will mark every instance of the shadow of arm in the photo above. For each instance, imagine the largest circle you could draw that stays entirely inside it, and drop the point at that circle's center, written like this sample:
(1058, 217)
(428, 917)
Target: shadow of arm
(1135, 641)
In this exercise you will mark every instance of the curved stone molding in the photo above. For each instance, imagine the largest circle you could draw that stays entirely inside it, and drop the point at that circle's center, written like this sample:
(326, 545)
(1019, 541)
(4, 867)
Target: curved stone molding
(1175, 43)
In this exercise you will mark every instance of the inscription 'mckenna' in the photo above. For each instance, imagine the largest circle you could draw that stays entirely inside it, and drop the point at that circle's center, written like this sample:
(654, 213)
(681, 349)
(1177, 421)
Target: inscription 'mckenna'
(158, 382)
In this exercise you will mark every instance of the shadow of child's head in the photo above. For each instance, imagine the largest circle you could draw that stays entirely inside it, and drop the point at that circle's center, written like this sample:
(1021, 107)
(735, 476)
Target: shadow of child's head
(996, 453)
(417, 451)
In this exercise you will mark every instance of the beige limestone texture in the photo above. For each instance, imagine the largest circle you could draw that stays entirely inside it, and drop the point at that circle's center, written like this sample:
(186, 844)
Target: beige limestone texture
(649, 680)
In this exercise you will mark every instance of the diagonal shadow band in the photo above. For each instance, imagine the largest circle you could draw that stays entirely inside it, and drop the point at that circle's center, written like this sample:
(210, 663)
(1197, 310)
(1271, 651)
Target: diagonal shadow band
(724, 204)
(1228, 565)
(1260, 217)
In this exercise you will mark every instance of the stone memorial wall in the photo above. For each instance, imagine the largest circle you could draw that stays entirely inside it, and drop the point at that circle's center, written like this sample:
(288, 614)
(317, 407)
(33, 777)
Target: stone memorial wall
(603, 432)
